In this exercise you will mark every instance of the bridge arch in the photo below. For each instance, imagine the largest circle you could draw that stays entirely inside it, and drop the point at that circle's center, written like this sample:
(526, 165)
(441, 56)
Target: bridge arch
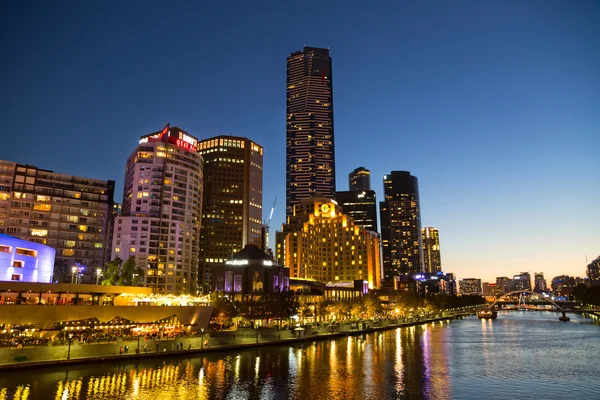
(527, 291)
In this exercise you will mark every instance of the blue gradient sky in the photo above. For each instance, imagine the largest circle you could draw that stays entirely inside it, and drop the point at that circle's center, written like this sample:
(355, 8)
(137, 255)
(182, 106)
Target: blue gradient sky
(494, 106)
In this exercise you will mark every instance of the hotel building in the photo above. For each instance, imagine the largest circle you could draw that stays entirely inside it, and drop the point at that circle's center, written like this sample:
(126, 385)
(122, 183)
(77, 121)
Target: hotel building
(232, 201)
(400, 212)
(322, 244)
(161, 212)
(310, 161)
(68, 213)
(431, 250)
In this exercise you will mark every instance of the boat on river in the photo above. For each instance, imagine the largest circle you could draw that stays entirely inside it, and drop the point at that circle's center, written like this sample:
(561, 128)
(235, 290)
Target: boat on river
(489, 314)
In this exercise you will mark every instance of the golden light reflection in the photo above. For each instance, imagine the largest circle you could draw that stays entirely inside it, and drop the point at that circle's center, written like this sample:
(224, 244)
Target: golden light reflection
(398, 363)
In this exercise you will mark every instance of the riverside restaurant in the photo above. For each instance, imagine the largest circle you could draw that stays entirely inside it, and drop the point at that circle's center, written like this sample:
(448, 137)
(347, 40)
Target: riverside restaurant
(48, 312)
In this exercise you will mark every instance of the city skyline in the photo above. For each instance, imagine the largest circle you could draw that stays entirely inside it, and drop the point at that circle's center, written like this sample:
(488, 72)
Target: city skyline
(501, 137)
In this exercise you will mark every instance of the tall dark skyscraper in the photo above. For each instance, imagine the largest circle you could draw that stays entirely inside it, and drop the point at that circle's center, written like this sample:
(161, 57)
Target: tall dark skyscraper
(361, 206)
(310, 162)
(232, 202)
(401, 239)
(359, 179)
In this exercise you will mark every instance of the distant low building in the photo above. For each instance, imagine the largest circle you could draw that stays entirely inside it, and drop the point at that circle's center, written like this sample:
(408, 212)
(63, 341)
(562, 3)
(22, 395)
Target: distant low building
(251, 272)
(489, 289)
(470, 286)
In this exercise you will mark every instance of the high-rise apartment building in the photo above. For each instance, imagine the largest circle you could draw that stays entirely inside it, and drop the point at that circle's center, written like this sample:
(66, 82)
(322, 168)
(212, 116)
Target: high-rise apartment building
(431, 250)
(539, 282)
(310, 161)
(361, 206)
(66, 212)
(400, 214)
(232, 205)
(359, 179)
(161, 212)
(323, 244)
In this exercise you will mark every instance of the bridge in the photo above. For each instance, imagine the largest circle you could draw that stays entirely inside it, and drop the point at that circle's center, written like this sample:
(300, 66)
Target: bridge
(559, 307)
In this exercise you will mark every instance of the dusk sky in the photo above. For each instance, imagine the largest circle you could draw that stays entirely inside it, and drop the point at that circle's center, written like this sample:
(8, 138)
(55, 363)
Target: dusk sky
(493, 105)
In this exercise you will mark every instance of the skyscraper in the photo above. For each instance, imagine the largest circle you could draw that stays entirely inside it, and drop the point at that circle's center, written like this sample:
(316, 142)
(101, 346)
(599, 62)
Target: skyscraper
(361, 206)
(310, 161)
(431, 250)
(402, 247)
(160, 221)
(70, 213)
(232, 203)
(359, 179)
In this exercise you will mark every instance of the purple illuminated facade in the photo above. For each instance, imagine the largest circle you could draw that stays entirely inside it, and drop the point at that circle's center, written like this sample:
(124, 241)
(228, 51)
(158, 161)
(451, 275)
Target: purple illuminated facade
(24, 261)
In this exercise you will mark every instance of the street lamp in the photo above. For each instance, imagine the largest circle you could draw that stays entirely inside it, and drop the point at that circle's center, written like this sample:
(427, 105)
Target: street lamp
(98, 275)
(69, 350)
(256, 333)
(73, 270)
(202, 338)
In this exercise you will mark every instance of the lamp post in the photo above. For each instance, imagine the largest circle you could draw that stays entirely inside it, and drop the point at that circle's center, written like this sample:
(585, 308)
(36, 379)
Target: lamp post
(98, 275)
(73, 271)
(257, 334)
(69, 349)
(202, 338)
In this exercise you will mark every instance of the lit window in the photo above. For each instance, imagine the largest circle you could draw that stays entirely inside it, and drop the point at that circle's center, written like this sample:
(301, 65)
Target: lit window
(18, 264)
(39, 232)
(117, 249)
(42, 207)
(68, 252)
(132, 249)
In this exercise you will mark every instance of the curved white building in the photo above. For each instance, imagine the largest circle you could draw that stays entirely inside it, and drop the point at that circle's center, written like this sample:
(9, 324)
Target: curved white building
(25, 261)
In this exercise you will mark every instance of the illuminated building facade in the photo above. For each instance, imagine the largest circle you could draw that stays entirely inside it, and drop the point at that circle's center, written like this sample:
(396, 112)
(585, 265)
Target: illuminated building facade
(402, 247)
(68, 213)
(593, 272)
(25, 261)
(232, 204)
(161, 213)
(361, 206)
(470, 286)
(251, 273)
(432, 260)
(359, 180)
(321, 243)
(539, 282)
(310, 165)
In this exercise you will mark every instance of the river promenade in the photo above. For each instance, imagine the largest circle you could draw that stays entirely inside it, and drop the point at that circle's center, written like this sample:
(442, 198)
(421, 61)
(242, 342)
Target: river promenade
(79, 353)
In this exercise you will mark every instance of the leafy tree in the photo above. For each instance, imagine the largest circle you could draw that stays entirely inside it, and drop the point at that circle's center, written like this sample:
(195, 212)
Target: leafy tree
(62, 271)
(131, 273)
(121, 273)
(281, 305)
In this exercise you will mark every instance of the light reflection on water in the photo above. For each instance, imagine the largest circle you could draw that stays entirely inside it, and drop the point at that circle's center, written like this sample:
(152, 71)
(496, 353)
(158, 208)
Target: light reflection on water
(521, 354)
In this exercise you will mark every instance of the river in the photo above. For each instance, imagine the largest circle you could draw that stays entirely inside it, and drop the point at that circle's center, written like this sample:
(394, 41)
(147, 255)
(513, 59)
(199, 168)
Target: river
(522, 354)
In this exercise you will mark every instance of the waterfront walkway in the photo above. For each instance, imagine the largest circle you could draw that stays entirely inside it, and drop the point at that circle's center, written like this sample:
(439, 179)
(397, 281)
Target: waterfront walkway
(56, 355)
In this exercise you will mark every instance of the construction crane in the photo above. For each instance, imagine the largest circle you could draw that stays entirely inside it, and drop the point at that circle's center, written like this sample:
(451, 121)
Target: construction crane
(268, 222)
(267, 226)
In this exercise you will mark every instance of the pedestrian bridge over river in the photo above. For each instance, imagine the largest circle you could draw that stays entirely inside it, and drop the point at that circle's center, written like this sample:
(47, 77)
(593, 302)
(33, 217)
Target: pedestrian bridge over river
(534, 303)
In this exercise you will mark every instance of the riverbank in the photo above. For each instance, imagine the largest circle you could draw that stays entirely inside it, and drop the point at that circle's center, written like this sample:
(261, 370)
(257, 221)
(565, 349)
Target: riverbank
(43, 357)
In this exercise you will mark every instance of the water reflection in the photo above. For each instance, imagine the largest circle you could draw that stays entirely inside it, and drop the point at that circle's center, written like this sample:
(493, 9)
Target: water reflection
(433, 361)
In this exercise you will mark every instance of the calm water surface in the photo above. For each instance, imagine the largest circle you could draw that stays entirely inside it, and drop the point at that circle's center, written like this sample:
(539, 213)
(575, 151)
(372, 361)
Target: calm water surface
(525, 355)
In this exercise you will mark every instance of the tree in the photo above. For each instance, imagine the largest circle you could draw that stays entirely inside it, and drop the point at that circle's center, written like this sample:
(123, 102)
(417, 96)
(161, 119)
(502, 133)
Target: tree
(112, 272)
(121, 273)
(131, 273)
(62, 272)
